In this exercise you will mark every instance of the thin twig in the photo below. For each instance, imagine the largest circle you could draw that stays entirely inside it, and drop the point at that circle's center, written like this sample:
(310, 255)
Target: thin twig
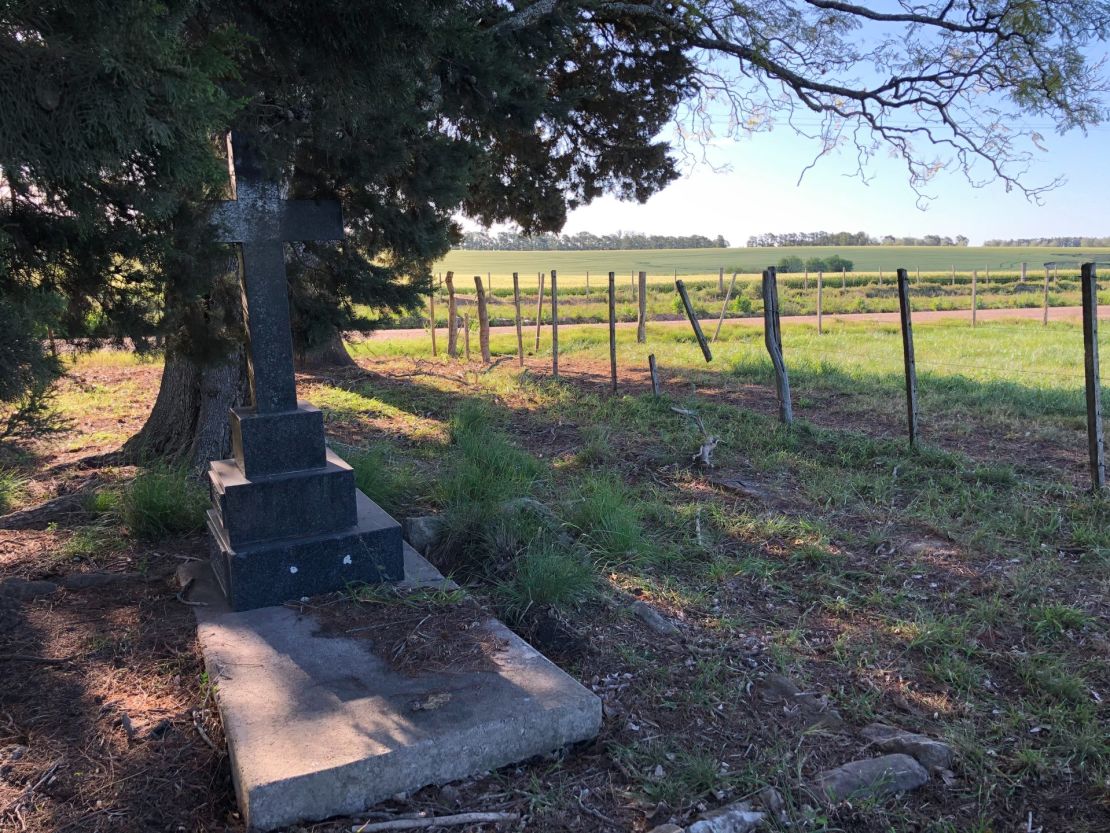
(440, 821)
(203, 734)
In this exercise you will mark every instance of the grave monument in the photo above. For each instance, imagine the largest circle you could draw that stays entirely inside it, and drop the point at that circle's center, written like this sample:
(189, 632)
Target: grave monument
(318, 722)
(286, 519)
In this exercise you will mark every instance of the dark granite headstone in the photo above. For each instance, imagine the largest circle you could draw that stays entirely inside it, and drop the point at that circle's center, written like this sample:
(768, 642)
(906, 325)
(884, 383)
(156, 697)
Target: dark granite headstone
(286, 519)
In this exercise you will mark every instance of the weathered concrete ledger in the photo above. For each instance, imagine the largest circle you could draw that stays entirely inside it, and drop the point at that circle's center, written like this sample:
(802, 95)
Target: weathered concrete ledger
(318, 726)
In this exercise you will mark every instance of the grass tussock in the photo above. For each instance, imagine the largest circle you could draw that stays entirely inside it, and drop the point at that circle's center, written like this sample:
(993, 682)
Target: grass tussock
(163, 502)
(12, 490)
(608, 517)
(389, 482)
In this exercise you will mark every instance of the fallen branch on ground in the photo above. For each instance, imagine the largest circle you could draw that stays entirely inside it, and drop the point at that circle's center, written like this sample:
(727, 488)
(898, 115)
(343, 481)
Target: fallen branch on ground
(440, 821)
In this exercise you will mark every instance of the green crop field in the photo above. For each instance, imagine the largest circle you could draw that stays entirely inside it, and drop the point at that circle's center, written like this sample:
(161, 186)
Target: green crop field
(662, 264)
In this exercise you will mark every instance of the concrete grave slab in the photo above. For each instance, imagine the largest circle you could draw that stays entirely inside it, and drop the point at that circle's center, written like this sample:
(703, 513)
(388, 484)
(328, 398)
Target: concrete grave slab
(317, 725)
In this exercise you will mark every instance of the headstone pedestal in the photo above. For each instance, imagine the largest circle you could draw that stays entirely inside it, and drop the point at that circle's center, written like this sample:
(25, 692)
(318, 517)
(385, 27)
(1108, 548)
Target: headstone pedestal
(286, 519)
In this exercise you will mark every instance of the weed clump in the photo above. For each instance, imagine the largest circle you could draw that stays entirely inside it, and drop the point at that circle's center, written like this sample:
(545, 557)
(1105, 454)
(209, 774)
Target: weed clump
(12, 488)
(162, 502)
(386, 481)
(608, 517)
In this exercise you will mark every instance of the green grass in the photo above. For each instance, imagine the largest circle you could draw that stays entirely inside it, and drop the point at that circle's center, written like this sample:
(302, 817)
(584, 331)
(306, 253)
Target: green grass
(13, 488)
(390, 482)
(163, 502)
(608, 517)
(546, 574)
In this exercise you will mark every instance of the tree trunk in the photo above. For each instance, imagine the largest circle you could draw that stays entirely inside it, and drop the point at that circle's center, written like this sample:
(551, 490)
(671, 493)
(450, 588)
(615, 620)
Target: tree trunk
(188, 424)
(330, 353)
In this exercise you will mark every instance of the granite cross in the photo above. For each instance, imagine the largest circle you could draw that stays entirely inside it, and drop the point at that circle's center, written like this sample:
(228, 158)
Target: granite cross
(262, 222)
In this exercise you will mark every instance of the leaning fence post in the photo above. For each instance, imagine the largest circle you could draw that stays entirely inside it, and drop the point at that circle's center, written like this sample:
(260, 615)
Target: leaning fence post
(974, 296)
(724, 306)
(907, 353)
(702, 343)
(452, 318)
(1095, 440)
(432, 320)
(820, 294)
(654, 368)
(539, 312)
(641, 320)
(554, 324)
(772, 337)
(1046, 297)
(519, 330)
(613, 328)
(483, 319)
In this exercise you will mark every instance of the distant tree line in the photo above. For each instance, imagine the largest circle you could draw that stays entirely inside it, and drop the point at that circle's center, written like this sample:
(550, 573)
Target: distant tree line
(850, 238)
(835, 263)
(584, 241)
(1062, 242)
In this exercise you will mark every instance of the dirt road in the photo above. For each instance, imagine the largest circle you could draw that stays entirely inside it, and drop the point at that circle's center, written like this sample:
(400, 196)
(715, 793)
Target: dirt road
(1054, 314)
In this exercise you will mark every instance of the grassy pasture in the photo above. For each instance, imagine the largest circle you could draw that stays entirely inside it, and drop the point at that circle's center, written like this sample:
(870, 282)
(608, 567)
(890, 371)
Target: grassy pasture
(662, 264)
(958, 590)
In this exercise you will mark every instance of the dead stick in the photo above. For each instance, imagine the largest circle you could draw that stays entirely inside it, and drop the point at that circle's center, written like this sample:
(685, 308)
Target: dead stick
(906, 315)
(705, 351)
(539, 312)
(431, 821)
(519, 331)
(432, 320)
(554, 324)
(466, 334)
(654, 368)
(452, 317)
(641, 318)
(724, 306)
(483, 319)
(613, 328)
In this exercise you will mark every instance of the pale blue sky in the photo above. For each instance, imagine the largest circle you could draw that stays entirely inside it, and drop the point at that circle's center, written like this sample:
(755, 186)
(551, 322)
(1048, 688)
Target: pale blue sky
(761, 193)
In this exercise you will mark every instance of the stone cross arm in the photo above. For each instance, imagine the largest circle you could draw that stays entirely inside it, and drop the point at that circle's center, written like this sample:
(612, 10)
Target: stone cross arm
(261, 217)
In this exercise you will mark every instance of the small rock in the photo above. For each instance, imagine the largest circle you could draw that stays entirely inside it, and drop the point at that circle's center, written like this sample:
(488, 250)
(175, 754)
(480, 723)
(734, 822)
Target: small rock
(160, 728)
(654, 619)
(929, 752)
(422, 532)
(871, 778)
(771, 801)
(815, 709)
(83, 581)
(667, 828)
(735, 818)
(21, 588)
(13, 752)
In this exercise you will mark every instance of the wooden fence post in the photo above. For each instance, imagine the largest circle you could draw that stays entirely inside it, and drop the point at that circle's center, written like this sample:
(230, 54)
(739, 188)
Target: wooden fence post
(539, 312)
(654, 368)
(805, 280)
(820, 293)
(1024, 271)
(880, 276)
(613, 328)
(519, 330)
(1096, 444)
(907, 353)
(587, 281)
(953, 276)
(974, 297)
(641, 321)
(1055, 273)
(1046, 297)
(702, 343)
(452, 318)
(554, 324)
(466, 334)
(724, 306)
(483, 319)
(432, 320)
(721, 281)
(843, 277)
(772, 337)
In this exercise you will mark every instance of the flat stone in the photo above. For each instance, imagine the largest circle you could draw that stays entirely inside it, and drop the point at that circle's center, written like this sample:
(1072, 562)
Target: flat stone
(929, 752)
(735, 818)
(317, 725)
(814, 709)
(422, 532)
(21, 588)
(871, 778)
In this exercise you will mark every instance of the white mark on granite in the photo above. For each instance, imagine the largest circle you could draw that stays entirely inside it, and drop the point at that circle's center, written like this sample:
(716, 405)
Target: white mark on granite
(293, 569)
(346, 559)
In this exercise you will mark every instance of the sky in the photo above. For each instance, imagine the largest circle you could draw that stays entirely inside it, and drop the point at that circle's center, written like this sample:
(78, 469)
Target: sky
(760, 192)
